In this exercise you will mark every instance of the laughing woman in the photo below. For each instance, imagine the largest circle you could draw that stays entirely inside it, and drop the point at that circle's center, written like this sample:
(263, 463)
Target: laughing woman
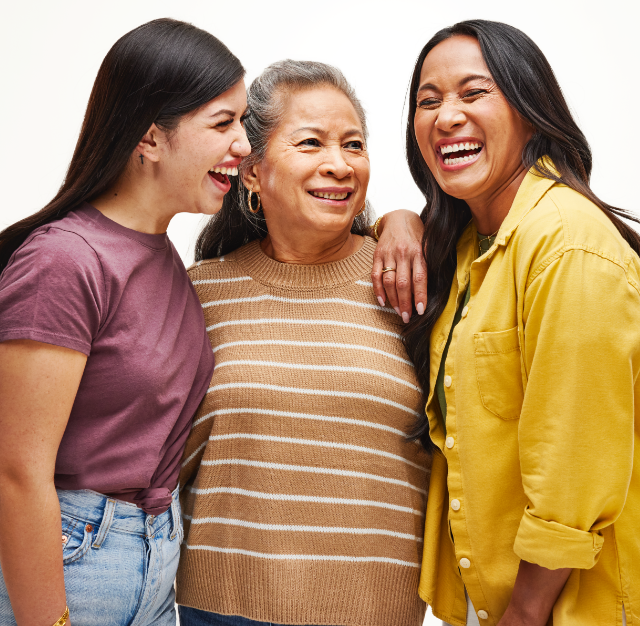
(104, 356)
(305, 499)
(529, 347)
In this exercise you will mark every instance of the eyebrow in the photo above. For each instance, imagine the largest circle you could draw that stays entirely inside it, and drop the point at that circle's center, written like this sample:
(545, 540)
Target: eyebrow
(224, 111)
(463, 81)
(319, 131)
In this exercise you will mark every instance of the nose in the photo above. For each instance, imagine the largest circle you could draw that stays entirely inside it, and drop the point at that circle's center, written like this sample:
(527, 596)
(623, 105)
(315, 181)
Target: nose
(241, 146)
(335, 164)
(450, 115)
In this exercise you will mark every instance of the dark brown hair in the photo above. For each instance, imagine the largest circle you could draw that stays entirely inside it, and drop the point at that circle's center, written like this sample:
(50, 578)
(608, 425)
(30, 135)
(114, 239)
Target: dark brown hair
(525, 78)
(156, 73)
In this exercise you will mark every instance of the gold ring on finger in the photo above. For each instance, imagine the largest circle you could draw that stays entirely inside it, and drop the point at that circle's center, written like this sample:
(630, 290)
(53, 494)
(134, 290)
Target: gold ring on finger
(388, 269)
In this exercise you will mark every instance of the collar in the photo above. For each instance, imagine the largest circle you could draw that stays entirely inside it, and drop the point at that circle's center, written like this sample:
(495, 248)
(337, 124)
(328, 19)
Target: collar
(533, 187)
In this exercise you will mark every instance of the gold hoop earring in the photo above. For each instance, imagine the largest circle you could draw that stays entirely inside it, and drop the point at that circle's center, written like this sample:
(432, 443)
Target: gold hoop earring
(249, 201)
(363, 209)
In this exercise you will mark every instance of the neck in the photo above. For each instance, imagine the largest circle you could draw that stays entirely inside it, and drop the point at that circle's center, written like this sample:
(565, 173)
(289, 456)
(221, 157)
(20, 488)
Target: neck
(490, 211)
(137, 203)
(310, 250)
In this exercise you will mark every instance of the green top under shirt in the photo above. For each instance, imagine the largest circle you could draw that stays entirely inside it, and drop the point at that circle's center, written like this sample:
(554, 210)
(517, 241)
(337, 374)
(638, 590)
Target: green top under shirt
(484, 245)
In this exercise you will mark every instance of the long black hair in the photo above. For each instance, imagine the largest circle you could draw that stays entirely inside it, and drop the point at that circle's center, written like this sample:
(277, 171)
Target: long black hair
(234, 225)
(525, 78)
(156, 73)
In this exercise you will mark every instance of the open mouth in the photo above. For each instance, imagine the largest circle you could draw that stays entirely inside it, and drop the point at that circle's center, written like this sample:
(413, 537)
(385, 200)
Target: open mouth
(221, 175)
(336, 196)
(456, 153)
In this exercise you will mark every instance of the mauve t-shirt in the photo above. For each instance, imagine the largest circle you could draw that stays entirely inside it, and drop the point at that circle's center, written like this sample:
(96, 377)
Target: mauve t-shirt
(125, 300)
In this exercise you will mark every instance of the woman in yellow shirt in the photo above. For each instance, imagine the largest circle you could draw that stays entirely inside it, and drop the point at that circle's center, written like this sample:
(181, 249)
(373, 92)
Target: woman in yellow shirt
(534, 504)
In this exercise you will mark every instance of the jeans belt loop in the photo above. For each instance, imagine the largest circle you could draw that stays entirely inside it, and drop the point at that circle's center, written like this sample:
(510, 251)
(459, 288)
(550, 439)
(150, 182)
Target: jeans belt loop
(175, 518)
(105, 524)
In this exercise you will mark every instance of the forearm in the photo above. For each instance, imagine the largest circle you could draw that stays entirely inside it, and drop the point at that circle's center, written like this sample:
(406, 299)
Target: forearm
(31, 550)
(535, 592)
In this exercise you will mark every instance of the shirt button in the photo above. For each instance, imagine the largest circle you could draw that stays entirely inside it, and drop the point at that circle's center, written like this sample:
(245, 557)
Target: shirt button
(449, 442)
(447, 381)
(465, 563)
(89, 528)
(483, 614)
(64, 539)
(455, 505)
(465, 311)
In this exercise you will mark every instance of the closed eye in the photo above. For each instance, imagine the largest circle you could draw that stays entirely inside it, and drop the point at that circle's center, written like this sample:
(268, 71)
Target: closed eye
(473, 93)
(225, 123)
(428, 103)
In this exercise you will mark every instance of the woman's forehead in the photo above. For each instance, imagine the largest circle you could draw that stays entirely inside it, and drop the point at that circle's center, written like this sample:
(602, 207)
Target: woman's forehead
(454, 59)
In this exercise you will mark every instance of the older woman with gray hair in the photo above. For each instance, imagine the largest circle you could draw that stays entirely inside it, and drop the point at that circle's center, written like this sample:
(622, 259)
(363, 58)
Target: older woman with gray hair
(304, 501)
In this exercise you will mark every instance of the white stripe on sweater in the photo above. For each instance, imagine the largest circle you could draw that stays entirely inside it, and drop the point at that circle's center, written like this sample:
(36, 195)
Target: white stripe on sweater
(269, 297)
(313, 392)
(313, 442)
(335, 530)
(285, 497)
(276, 320)
(313, 470)
(321, 368)
(216, 281)
(193, 454)
(305, 557)
(309, 344)
(320, 418)
(364, 283)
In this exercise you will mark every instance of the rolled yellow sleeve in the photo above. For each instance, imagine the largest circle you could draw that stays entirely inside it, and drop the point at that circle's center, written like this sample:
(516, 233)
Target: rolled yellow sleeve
(576, 427)
(554, 545)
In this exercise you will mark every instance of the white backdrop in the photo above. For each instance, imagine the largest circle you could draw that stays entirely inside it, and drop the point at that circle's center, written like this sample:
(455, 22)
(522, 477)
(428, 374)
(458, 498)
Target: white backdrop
(50, 53)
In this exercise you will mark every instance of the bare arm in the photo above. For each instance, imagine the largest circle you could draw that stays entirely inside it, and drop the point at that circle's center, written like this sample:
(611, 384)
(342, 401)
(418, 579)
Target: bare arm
(38, 384)
(400, 246)
(534, 594)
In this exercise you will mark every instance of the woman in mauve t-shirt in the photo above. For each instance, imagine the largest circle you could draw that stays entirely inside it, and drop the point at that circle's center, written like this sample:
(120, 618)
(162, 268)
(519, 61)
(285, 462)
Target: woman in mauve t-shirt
(104, 356)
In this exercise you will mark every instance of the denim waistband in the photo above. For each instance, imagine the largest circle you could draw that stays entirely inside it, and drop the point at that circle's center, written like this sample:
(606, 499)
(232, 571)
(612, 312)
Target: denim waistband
(111, 514)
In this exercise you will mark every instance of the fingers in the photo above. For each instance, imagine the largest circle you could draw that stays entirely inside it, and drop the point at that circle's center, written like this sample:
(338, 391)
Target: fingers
(376, 278)
(389, 282)
(404, 287)
(420, 282)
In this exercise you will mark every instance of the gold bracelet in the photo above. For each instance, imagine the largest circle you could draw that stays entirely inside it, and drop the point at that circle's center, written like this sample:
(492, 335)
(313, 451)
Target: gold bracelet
(63, 620)
(375, 228)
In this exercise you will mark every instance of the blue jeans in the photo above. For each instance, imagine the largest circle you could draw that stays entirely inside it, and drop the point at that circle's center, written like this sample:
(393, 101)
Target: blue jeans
(196, 617)
(119, 562)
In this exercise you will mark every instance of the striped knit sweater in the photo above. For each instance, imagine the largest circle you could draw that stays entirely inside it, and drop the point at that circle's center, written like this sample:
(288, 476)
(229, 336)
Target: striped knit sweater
(303, 501)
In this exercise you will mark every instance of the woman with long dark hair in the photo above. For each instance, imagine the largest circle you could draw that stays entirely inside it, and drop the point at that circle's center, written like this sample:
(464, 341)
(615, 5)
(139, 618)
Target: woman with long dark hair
(104, 356)
(529, 349)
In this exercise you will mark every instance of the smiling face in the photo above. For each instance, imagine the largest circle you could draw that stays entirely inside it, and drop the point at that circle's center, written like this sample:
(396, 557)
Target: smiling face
(468, 134)
(207, 147)
(314, 176)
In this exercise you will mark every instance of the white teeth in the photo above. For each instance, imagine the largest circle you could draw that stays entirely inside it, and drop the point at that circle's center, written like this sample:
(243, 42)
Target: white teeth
(229, 171)
(456, 147)
(329, 196)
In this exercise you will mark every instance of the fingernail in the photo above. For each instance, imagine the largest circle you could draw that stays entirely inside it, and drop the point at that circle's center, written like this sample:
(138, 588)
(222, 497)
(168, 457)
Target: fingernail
(405, 317)
(380, 300)
(420, 308)
(396, 309)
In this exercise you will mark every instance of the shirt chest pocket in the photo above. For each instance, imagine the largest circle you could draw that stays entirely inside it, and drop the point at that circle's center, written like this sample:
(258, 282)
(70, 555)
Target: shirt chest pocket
(497, 361)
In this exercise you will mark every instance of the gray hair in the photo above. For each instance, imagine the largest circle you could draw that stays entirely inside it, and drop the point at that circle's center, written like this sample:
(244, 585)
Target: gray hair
(267, 107)
(234, 225)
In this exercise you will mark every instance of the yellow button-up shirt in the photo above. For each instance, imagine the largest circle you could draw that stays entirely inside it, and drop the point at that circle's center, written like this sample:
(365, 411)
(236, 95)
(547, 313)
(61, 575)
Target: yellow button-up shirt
(541, 457)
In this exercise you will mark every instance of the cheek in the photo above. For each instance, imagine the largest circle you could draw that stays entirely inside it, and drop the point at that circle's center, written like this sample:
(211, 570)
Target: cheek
(422, 126)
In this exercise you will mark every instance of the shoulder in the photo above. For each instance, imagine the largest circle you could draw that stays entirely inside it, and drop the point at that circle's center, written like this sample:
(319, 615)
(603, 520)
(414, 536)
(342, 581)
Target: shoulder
(223, 267)
(56, 248)
(564, 221)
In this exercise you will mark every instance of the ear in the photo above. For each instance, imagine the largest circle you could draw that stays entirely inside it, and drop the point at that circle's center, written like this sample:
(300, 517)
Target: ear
(149, 145)
(251, 178)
